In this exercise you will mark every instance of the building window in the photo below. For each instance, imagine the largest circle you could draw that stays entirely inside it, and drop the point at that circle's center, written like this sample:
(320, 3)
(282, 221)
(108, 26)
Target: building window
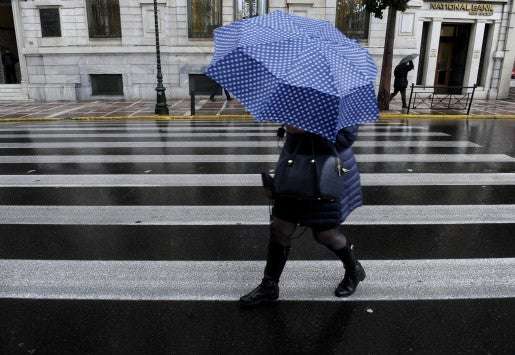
(50, 22)
(352, 18)
(204, 16)
(106, 84)
(104, 18)
(249, 8)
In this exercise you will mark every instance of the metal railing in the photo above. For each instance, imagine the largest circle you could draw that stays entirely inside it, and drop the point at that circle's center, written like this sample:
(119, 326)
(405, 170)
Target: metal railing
(441, 97)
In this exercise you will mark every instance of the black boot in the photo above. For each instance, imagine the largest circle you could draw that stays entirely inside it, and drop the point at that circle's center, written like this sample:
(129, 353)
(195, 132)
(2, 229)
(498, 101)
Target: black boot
(354, 272)
(268, 290)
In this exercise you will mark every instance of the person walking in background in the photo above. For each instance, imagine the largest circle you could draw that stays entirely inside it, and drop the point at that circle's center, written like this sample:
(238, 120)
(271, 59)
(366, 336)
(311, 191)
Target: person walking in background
(401, 80)
(9, 61)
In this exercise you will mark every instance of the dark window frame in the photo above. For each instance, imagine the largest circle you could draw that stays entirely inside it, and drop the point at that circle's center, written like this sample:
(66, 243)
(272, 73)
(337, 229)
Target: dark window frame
(361, 34)
(45, 30)
(209, 33)
(264, 9)
(423, 51)
(115, 23)
(99, 89)
(482, 69)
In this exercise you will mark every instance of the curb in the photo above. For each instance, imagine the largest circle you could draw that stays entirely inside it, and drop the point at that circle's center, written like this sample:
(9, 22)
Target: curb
(385, 116)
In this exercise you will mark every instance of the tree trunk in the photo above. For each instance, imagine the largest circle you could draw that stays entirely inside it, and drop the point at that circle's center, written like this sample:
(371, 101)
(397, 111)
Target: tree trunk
(383, 96)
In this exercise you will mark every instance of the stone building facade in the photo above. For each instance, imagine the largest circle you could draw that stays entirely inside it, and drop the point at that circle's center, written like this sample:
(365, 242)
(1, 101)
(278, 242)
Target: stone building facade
(62, 57)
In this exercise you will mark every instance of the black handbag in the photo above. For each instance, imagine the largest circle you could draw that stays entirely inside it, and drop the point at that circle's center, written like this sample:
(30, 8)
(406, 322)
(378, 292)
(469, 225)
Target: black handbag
(313, 175)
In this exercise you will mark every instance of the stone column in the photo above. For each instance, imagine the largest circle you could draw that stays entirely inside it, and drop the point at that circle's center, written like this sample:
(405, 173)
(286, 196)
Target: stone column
(494, 62)
(432, 51)
(509, 54)
(20, 41)
(474, 53)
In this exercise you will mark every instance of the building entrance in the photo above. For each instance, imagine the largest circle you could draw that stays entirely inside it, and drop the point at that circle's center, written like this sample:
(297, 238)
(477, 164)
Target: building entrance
(9, 63)
(452, 56)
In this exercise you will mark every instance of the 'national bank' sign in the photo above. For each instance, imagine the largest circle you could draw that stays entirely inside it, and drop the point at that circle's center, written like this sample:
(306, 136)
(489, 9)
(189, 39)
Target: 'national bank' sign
(473, 9)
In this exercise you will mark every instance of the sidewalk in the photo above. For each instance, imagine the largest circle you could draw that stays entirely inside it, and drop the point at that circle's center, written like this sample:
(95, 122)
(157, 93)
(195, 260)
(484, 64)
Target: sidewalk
(133, 109)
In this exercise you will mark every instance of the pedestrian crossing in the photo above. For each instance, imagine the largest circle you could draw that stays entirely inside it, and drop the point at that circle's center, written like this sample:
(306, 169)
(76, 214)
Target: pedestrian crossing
(242, 180)
(245, 158)
(248, 215)
(204, 134)
(227, 144)
(173, 211)
(303, 280)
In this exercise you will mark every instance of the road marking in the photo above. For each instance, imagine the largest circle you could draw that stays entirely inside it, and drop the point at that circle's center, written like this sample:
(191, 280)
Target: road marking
(246, 158)
(232, 144)
(237, 180)
(184, 128)
(247, 215)
(207, 134)
(72, 109)
(302, 280)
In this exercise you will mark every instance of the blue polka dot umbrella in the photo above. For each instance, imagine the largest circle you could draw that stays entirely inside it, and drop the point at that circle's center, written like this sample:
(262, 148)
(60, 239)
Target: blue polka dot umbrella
(296, 70)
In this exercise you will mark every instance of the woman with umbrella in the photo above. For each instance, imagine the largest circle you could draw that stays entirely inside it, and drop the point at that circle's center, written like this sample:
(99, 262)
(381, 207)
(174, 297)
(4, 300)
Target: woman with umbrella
(323, 216)
(304, 74)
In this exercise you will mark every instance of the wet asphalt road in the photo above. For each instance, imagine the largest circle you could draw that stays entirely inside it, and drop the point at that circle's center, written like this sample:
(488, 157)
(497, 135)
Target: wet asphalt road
(98, 274)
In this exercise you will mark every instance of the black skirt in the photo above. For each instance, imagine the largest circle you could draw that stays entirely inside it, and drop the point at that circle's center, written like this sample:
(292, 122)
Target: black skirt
(319, 215)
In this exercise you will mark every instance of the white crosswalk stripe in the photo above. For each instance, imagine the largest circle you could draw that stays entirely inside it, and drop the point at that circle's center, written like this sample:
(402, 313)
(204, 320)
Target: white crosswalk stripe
(98, 180)
(303, 280)
(232, 144)
(395, 134)
(246, 158)
(184, 128)
(248, 215)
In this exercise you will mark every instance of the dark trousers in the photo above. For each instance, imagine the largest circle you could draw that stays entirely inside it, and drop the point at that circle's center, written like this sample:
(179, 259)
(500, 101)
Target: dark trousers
(403, 95)
(10, 75)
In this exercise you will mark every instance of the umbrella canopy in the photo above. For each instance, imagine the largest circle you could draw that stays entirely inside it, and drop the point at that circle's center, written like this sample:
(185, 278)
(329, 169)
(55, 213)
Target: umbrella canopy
(296, 70)
(408, 58)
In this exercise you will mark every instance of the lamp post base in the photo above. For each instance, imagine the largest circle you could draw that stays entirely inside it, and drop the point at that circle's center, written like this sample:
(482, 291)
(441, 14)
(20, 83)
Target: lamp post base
(161, 106)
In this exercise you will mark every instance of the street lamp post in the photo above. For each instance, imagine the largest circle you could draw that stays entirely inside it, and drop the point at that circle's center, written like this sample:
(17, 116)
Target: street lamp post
(161, 106)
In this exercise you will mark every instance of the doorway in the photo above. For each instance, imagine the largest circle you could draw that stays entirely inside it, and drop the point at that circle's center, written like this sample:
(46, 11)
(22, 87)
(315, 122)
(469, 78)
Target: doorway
(452, 57)
(9, 63)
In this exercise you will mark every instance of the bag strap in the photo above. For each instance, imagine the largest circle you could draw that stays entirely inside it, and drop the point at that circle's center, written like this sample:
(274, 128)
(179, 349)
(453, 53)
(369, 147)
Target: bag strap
(314, 165)
(339, 166)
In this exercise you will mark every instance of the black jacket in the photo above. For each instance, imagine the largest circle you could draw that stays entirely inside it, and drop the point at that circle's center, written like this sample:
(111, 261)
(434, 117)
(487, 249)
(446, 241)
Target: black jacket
(401, 75)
